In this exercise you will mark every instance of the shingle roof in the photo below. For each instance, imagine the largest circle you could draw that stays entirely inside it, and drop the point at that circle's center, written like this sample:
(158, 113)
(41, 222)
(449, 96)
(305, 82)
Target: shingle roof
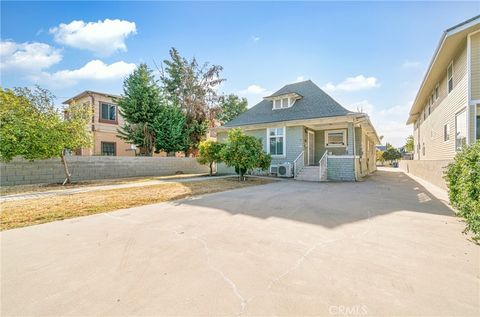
(315, 103)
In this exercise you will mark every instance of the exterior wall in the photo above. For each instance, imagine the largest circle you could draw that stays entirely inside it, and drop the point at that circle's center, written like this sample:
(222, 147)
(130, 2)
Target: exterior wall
(340, 169)
(431, 171)
(475, 65)
(428, 133)
(21, 172)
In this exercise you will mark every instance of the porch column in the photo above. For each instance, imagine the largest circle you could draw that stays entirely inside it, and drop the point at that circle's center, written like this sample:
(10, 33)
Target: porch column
(350, 139)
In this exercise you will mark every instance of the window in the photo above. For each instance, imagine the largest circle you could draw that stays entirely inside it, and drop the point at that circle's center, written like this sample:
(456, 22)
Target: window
(450, 77)
(109, 148)
(283, 103)
(336, 138)
(460, 130)
(108, 112)
(276, 141)
(446, 132)
(478, 127)
(436, 92)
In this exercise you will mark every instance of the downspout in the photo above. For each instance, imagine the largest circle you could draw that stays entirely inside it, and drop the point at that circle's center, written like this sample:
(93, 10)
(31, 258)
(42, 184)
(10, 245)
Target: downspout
(354, 150)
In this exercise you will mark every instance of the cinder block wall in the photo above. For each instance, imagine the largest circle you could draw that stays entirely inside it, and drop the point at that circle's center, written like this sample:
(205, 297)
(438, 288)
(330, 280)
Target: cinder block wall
(431, 170)
(22, 172)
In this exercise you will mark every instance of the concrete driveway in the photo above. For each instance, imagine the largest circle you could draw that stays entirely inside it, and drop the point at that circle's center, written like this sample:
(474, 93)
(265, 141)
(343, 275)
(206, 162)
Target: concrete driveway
(384, 246)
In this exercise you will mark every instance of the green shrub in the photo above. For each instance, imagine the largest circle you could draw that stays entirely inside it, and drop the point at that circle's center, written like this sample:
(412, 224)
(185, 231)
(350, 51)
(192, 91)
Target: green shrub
(463, 179)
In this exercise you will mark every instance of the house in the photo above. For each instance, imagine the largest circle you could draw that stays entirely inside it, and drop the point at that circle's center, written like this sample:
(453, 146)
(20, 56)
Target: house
(309, 135)
(105, 122)
(446, 111)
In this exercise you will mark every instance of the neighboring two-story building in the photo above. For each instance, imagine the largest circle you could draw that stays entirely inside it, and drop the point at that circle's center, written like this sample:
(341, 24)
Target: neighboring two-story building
(105, 122)
(446, 111)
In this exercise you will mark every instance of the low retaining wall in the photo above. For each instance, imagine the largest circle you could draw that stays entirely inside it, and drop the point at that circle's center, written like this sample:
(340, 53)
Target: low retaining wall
(21, 172)
(431, 170)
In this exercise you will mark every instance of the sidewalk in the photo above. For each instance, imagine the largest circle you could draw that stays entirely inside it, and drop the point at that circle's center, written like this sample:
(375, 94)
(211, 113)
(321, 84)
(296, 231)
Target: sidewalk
(87, 189)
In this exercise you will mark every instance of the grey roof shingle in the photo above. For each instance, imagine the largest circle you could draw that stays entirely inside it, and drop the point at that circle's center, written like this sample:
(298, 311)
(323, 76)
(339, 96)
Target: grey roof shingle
(315, 103)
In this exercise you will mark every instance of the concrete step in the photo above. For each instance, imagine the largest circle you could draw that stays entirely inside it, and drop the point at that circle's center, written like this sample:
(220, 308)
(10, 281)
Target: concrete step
(308, 178)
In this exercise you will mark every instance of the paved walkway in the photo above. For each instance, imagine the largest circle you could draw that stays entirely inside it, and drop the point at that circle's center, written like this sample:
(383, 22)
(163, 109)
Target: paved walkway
(86, 189)
(381, 247)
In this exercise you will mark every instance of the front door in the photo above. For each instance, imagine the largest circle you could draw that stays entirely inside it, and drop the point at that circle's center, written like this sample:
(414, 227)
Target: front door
(311, 148)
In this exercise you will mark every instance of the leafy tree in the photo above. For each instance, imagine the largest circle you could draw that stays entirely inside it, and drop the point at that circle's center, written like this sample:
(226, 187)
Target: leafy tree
(244, 153)
(463, 179)
(391, 154)
(409, 145)
(139, 106)
(170, 132)
(32, 128)
(210, 153)
(192, 88)
(379, 157)
(230, 107)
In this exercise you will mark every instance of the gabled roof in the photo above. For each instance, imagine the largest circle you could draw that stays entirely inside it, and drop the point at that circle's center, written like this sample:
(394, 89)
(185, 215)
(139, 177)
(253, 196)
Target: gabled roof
(450, 40)
(314, 103)
(89, 92)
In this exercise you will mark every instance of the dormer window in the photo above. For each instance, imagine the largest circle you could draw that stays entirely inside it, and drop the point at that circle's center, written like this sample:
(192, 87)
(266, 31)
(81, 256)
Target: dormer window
(283, 103)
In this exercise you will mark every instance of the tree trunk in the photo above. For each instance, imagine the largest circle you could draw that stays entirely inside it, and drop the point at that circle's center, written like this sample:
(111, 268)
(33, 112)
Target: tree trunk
(211, 168)
(68, 178)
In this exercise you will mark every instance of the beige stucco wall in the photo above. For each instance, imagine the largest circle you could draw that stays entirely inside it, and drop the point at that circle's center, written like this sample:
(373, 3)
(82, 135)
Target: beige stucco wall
(432, 171)
(429, 132)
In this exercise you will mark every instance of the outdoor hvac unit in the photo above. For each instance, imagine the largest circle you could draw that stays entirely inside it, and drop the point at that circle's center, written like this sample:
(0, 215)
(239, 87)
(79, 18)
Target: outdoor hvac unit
(285, 170)
(273, 169)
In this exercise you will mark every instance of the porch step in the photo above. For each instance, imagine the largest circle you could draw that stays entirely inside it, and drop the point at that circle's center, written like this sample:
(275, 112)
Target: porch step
(309, 174)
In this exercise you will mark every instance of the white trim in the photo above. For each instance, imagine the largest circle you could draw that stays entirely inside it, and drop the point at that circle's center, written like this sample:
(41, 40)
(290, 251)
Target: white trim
(343, 156)
(453, 78)
(284, 142)
(308, 147)
(469, 88)
(344, 131)
(455, 132)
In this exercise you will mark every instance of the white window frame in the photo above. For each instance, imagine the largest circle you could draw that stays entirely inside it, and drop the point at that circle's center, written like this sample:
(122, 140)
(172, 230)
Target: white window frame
(464, 110)
(327, 132)
(448, 79)
(290, 102)
(436, 92)
(446, 132)
(284, 150)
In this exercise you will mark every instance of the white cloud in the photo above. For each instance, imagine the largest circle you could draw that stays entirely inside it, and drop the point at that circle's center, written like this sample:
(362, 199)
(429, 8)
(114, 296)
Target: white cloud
(299, 79)
(389, 122)
(102, 37)
(29, 57)
(93, 70)
(254, 90)
(255, 38)
(359, 82)
(254, 94)
(410, 64)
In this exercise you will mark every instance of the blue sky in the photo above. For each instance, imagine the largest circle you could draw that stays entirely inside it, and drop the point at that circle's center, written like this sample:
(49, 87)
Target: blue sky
(367, 55)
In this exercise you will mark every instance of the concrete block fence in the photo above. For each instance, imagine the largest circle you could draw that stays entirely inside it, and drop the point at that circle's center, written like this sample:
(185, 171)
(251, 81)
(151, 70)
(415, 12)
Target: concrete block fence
(430, 170)
(22, 172)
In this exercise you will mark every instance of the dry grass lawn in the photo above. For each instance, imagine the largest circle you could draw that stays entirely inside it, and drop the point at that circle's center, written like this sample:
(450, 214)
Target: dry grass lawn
(22, 213)
(25, 189)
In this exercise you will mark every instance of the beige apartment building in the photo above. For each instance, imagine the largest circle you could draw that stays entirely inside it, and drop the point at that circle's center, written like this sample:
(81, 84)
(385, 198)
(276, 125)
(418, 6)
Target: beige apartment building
(446, 111)
(105, 122)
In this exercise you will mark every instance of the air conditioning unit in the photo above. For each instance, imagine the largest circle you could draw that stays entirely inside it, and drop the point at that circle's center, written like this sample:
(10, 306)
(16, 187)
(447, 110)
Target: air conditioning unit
(285, 170)
(273, 169)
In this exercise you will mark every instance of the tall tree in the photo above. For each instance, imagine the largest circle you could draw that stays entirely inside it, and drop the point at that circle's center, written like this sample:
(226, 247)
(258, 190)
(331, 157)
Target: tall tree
(139, 105)
(170, 130)
(409, 145)
(192, 87)
(32, 128)
(231, 106)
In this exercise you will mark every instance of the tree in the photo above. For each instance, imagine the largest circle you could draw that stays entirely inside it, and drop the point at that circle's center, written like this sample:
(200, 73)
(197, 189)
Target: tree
(379, 157)
(210, 153)
(391, 154)
(32, 128)
(244, 153)
(139, 106)
(230, 107)
(170, 131)
(192, 88)
(409, 145)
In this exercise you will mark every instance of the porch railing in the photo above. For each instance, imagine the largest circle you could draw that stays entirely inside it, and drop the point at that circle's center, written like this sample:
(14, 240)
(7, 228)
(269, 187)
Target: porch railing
(298, 164)
(323, 170)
